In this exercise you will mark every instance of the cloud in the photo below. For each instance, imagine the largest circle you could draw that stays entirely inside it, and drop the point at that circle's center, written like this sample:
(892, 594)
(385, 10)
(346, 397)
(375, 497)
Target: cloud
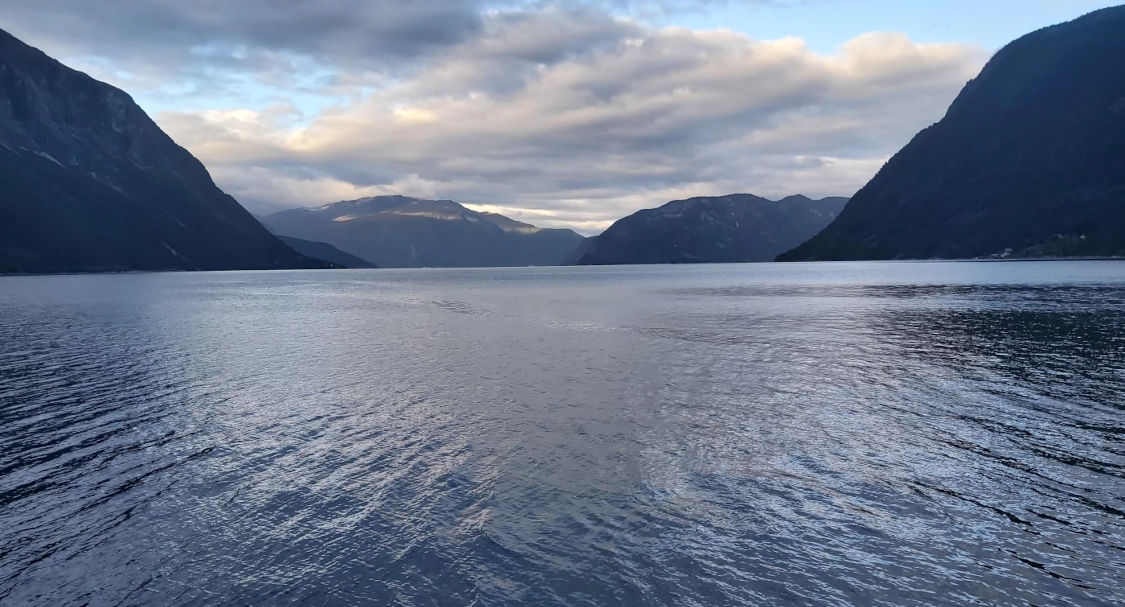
(337, 30)
(562, 115)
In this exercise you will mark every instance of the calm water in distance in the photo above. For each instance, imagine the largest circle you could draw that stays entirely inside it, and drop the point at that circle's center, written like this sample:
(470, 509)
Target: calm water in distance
(806, 434)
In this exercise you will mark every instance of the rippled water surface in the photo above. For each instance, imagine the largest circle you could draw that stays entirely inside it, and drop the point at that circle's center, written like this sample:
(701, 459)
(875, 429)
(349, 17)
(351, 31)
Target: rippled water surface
(895, 433)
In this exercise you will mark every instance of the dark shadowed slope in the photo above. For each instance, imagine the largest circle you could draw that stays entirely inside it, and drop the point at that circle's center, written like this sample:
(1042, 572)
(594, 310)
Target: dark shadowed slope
(398, 231)
(1028, 161)
(739, 227)
(90, 183)
(325, 252)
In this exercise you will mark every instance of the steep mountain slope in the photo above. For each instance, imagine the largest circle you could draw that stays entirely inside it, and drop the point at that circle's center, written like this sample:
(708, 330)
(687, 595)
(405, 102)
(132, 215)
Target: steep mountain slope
(1028, 161)
(325, 252)
(398, 231)
(739, 227)
(90, 183)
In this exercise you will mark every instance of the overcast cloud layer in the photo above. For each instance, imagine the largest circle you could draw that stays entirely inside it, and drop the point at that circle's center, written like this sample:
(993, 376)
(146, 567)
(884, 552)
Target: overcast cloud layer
(561, 115)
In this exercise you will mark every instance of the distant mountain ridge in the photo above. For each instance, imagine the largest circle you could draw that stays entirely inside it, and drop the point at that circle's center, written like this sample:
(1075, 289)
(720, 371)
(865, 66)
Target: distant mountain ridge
(326, 252)
(733, 228)
(400, 231)
(1028, 161)
(90, 183)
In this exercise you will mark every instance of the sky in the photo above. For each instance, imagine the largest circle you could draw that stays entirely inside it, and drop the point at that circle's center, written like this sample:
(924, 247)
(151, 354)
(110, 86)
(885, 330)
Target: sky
(561, 114)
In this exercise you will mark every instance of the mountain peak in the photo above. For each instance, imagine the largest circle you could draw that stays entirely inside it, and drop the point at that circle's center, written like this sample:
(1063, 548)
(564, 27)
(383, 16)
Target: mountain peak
(400, 231)
(1027, 161)
(731, 228)
(92, 184)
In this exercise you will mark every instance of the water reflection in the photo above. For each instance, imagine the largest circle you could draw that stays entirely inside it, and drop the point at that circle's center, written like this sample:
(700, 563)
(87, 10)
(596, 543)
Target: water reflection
(879, 433)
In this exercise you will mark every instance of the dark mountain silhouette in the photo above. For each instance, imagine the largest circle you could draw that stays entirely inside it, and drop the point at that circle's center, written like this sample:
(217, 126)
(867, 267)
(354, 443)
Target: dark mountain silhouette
(738, 227)
(399, 231)
(325, 252)
(1028, 161)
(89, 183)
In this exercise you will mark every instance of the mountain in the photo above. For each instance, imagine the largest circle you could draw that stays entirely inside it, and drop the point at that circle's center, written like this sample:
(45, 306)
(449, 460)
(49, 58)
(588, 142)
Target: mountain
(399, 231)
(90, 183)
(325, 252)
(738, 227)
(1028, 161)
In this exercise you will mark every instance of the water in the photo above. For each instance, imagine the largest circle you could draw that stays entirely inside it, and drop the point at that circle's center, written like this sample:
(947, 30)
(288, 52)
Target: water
(894, 433)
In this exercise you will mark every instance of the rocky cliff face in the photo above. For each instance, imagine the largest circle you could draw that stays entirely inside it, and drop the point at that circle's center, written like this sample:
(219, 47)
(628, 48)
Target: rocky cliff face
(1028, 161)
(399, 231)
(90, 183)
(739, 227)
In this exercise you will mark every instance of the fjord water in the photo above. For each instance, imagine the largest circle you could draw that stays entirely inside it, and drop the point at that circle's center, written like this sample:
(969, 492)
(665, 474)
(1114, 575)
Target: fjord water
(877, 433)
